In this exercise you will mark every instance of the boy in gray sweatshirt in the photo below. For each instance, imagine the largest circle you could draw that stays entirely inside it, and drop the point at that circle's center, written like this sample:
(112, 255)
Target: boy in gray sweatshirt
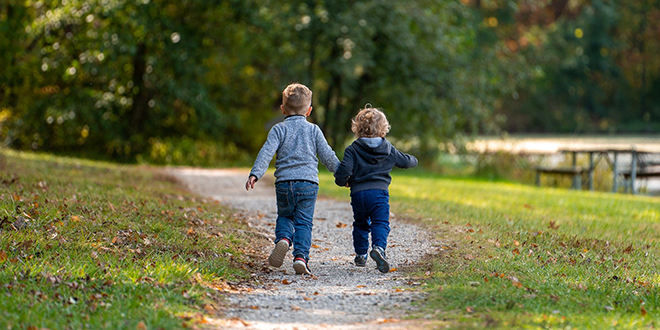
(295, 142)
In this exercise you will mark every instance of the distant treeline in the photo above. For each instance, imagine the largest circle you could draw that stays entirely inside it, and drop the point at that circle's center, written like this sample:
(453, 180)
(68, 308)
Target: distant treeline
(199, 81)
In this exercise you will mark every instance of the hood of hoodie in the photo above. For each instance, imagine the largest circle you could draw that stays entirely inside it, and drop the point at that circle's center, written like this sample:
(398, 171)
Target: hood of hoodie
(373, 155)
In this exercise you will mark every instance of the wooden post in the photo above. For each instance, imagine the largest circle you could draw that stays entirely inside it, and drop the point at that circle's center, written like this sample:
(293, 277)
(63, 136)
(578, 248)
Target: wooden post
(591, 171)
(615, 171)
(577, 180)
(538, 178)
(633, 172)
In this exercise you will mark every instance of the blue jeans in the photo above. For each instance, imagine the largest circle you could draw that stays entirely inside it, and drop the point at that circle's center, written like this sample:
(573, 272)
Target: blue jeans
(295, 213)
(371, 213)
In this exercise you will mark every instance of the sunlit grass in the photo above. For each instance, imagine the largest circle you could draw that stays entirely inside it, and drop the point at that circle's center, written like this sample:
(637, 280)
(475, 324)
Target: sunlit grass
(519, 256)
(86, 244)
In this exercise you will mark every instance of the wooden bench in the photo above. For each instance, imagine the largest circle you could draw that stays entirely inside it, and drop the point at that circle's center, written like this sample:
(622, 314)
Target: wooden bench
(643, 173)
(575, 172)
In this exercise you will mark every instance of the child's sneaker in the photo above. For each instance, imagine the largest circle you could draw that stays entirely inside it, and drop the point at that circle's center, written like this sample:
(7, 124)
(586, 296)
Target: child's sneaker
(300, 265)
(360, 260)
(378, 254)
(276, 258)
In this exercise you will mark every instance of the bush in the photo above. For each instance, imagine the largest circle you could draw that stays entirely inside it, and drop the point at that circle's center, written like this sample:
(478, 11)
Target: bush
(190, 152)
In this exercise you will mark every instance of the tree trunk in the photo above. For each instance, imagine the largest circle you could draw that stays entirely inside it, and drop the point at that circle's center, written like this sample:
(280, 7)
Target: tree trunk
(139, 111)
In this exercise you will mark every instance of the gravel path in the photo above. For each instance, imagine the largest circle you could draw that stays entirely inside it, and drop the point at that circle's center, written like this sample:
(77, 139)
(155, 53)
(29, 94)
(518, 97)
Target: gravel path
(339, 295)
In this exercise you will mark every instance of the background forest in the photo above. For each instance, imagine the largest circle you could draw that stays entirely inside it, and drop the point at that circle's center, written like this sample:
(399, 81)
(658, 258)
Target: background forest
(199, 82)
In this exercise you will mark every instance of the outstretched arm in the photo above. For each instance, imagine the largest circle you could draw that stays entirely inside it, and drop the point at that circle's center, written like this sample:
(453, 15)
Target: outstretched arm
(404, 160)
(345, 169)
(326, 155)
(263, 158)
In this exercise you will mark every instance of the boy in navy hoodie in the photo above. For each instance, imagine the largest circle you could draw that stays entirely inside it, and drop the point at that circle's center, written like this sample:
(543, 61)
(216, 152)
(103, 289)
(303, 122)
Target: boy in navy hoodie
(366, 169)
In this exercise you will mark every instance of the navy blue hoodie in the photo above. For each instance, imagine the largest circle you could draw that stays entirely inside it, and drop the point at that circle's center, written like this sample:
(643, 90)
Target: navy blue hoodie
(366, 167)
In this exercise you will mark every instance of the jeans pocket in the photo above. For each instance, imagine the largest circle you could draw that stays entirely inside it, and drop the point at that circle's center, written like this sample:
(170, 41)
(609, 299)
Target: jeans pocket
(282, 199)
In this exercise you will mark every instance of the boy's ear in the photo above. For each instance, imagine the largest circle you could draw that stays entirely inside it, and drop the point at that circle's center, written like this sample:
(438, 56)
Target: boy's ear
(309, 111)
(282, 108)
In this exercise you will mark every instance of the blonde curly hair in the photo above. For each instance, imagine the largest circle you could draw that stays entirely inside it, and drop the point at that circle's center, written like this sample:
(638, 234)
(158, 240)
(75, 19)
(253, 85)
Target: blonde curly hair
(370, 122)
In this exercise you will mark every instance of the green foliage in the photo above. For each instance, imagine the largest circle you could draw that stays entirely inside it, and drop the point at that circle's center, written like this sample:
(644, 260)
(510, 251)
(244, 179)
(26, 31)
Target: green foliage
(111, 75)
(594, 68)
(92, 245)
(106, 78)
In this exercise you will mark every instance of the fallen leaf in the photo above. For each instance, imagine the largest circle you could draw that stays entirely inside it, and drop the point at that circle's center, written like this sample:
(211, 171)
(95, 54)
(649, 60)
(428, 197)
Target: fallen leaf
(553, 225)
(628, 249)
(469, 309)
(644, 312)
(141, 326)
(361, 286)
(393, 269)
(341, 225)
(295, 308)
(308, 298)
(254, 307)
(3, 256)
(315, 246)
(286, 281)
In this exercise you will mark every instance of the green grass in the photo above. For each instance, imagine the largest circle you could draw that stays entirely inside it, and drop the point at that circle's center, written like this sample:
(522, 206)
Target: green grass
(91, 245)
(517, 256)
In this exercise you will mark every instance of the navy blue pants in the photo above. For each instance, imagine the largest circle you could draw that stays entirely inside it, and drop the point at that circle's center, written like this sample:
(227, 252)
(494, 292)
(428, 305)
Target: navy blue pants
(371, 214)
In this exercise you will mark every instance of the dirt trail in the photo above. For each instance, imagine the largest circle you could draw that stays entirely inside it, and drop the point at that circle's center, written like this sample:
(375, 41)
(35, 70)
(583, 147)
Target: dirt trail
(339, 295)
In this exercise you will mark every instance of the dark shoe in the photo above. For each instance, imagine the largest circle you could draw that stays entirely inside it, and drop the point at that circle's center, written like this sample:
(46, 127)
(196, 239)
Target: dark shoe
(300, 266)
(360, 260)
(378, 254)
(276, 258)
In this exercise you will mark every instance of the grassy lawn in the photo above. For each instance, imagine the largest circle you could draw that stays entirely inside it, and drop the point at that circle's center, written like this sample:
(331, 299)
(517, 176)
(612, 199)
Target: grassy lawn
(517, 256)
(89, 245)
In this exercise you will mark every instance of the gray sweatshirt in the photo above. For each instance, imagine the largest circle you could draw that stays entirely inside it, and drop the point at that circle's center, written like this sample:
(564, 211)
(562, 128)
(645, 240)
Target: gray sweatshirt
(295, 142)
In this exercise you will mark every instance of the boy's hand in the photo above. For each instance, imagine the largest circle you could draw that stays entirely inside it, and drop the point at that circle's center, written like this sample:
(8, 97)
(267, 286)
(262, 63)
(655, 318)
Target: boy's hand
(250, 182)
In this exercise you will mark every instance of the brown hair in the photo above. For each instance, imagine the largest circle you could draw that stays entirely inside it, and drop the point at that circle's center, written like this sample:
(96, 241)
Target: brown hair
(370, 122)
(296, 99)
